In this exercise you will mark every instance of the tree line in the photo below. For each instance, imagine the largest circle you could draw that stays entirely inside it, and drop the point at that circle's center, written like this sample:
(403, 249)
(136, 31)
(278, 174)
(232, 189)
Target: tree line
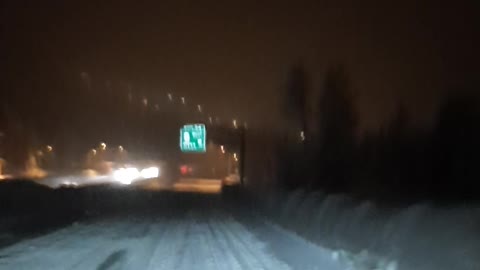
(321, 148)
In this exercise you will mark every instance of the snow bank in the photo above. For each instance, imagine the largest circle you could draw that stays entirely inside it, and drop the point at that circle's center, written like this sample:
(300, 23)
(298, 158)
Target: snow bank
(422, 236)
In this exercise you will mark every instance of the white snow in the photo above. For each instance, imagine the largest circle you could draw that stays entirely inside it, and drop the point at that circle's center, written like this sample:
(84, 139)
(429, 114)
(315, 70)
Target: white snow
(365, 236)
(197, 239)
(301, 230)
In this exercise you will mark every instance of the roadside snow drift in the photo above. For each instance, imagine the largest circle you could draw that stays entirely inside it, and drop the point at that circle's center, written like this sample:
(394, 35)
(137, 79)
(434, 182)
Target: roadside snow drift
(421, 236)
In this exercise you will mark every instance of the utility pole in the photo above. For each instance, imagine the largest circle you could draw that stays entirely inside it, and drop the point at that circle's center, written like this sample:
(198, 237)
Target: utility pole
(242, 155)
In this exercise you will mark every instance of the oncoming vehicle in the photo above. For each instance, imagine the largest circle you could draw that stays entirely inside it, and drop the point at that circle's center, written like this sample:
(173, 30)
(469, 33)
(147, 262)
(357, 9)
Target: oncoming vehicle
(136, 171)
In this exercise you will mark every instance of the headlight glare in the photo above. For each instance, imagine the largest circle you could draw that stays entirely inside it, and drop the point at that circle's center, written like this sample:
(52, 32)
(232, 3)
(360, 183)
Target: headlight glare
(150, 172)
(126, 175)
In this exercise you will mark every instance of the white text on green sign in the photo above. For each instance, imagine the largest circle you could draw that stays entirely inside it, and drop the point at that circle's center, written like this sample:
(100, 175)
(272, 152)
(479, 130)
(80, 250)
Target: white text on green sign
(193, 138)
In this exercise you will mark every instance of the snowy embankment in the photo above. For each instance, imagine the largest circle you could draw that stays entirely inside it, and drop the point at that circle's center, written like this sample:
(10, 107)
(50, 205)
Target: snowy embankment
(27, 208)
(418, 237)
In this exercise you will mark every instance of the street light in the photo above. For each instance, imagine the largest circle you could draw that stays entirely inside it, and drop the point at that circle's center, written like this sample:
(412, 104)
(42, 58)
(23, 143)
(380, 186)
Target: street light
(103, 146)
(235, 123)
(222, 148)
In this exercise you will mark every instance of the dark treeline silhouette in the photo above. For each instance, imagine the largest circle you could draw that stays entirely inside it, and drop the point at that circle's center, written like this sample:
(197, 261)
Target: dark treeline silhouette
(397, 163)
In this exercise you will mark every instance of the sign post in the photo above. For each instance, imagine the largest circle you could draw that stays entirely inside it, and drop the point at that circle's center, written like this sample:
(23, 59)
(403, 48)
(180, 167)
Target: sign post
(242, 155)
(193, 138)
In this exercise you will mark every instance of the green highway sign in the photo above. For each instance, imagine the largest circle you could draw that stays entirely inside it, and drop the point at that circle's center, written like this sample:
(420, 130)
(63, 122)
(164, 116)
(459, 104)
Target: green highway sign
(193, 138)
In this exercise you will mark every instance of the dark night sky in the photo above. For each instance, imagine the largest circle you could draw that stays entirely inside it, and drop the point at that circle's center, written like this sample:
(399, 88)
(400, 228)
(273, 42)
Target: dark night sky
(233, 57)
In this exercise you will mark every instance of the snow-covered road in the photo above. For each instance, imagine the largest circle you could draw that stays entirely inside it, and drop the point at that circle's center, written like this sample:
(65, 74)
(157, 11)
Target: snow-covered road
(191, 238)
